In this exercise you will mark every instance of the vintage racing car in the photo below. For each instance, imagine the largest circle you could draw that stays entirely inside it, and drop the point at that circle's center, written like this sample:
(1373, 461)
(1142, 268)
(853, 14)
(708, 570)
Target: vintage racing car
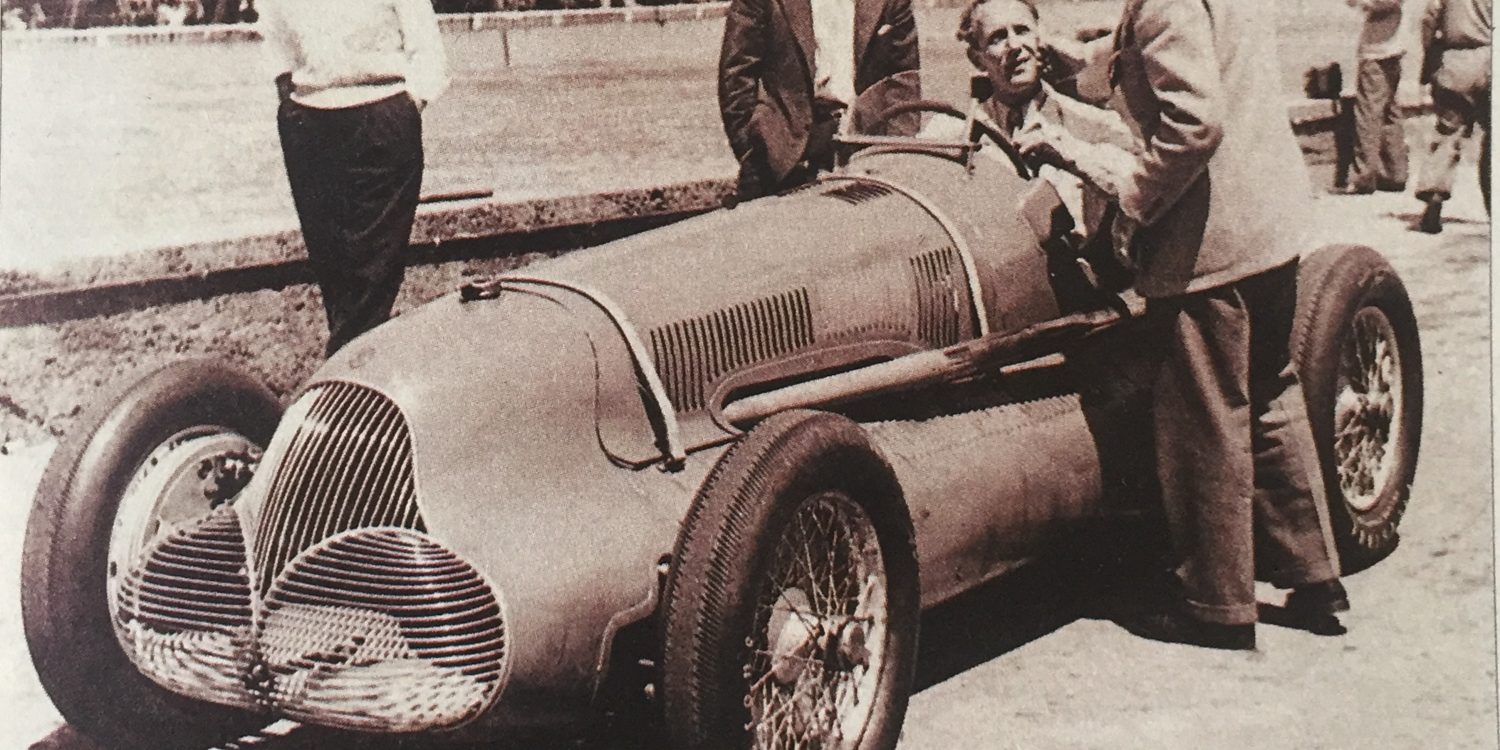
(731, 459)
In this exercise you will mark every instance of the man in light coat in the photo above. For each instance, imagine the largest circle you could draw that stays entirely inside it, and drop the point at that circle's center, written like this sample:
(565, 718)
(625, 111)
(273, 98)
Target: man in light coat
(1210, 214)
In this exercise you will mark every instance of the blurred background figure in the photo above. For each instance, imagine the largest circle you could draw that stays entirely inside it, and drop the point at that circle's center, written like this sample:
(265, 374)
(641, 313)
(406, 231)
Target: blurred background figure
(171, 13)
(1456, 37)
(12, 19)
(1379, 141)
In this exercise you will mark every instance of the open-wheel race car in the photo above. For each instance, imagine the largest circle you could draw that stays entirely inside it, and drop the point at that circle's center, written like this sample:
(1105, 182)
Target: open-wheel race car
(731, 459)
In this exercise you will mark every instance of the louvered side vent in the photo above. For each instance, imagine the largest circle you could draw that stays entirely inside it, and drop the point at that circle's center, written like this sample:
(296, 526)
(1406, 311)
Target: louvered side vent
(347, 466)
(855, 193)
(690, 354)
(940, 291)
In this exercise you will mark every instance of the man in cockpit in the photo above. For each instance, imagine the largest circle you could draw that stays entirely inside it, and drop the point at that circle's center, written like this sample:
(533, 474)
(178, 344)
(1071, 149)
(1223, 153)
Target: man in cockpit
(1004, 43)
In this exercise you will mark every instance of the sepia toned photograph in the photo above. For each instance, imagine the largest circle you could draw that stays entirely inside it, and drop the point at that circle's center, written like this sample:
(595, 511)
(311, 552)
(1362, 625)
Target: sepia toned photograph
(773, 374)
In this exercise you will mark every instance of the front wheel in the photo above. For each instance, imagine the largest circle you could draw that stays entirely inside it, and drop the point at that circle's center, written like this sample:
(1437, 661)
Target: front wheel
(792, 607)
(161, 455)
(1357, 351)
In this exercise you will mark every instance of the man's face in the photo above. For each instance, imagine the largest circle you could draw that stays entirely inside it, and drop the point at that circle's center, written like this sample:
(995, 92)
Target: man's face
(1006, 47)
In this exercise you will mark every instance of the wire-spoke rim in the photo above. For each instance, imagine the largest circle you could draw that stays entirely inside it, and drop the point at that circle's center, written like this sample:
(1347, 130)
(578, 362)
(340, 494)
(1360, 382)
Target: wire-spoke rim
(818, 644)
(1367, 409)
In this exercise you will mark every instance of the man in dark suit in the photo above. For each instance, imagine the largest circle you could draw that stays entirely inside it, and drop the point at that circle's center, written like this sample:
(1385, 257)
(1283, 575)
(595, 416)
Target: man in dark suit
(789, 69)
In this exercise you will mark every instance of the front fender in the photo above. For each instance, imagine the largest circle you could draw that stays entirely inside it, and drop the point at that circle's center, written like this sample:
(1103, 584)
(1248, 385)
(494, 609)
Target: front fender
(511, 475)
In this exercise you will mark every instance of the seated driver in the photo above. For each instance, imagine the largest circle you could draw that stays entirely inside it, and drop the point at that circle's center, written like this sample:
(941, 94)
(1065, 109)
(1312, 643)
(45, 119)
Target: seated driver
(1005, 43)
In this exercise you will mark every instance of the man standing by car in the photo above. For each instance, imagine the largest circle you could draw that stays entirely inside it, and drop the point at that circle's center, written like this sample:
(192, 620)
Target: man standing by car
(788, 70)
(353, 77)
(1379, 140)
(1456, 37)
(1210, 216)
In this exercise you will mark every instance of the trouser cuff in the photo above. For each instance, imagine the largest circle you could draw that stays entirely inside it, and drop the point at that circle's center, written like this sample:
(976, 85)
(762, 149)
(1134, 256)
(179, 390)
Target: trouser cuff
(1223, 614)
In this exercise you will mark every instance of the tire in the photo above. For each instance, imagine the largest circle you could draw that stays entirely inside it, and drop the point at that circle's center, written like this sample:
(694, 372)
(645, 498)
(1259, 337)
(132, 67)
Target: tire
(1366, 414)
(733, 618)
(66, 566)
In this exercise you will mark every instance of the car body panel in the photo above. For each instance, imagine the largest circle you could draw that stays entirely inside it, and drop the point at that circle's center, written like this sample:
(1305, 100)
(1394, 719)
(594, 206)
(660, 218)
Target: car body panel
(543, 452)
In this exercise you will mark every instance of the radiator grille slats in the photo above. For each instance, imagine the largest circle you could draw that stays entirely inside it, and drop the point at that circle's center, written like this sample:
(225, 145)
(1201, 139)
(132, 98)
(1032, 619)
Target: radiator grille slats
(184, 611)
(384, 630)
(692, 354)
(348, 465)
(347, 614)
(940, 288)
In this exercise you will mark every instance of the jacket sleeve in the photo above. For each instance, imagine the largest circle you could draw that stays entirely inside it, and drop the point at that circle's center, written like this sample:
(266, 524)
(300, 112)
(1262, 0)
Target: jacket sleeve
(741, 59)
(905, 54)
(1431, 21)
(1175, 38)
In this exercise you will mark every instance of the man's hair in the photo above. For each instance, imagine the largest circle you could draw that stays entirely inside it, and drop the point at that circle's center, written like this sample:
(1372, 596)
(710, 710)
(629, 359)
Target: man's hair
(966, 19)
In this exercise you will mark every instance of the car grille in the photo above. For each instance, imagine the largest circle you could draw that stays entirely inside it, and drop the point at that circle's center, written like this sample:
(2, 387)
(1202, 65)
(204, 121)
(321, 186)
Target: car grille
(381, 630)
(347, 614)
(346, 465)
(183, 614)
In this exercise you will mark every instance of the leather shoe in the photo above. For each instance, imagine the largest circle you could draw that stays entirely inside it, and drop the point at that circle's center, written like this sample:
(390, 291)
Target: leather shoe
(1390, 186)
(1314, 607)
(1180, 627)
(1351, 189)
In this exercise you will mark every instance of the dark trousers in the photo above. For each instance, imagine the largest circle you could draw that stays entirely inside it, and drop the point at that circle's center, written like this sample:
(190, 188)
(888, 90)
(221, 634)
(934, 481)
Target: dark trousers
(355, 174)
(1235, 455)
(1380, 153)
(1458, 113)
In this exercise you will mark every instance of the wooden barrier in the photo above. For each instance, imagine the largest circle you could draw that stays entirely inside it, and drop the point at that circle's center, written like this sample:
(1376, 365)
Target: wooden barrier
(456, 227)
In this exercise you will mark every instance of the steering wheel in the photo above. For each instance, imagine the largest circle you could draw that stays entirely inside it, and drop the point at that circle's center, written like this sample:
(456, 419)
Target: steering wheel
(980, 127)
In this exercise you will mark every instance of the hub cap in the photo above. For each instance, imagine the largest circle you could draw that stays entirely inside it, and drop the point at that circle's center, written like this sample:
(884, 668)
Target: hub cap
(180, 482)
(819, 640)
(1367, 410)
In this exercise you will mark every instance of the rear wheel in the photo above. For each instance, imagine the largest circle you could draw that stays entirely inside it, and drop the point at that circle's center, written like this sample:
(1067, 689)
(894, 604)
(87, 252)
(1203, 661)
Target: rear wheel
(1356, 347)
(163, 453)
(791, 611)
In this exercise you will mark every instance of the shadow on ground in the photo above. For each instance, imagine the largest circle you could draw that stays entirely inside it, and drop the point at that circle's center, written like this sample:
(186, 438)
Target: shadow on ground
(1097, 577)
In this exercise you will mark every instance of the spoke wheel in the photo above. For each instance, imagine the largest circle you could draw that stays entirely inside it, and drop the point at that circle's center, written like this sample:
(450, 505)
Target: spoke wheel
(1356, 348)
(1367, 410)
(161, 452)
(822, 620)
(790, 613)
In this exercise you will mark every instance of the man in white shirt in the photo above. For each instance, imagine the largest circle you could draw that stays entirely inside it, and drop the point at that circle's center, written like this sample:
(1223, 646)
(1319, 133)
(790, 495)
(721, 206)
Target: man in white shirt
(353, 76)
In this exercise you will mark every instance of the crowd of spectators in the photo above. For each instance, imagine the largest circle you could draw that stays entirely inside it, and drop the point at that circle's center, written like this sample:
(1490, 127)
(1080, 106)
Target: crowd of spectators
(36, 14)
(39, 14)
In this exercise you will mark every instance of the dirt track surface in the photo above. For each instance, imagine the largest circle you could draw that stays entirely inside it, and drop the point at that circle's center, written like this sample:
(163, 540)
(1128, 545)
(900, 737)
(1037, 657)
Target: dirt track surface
(1028, 663)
